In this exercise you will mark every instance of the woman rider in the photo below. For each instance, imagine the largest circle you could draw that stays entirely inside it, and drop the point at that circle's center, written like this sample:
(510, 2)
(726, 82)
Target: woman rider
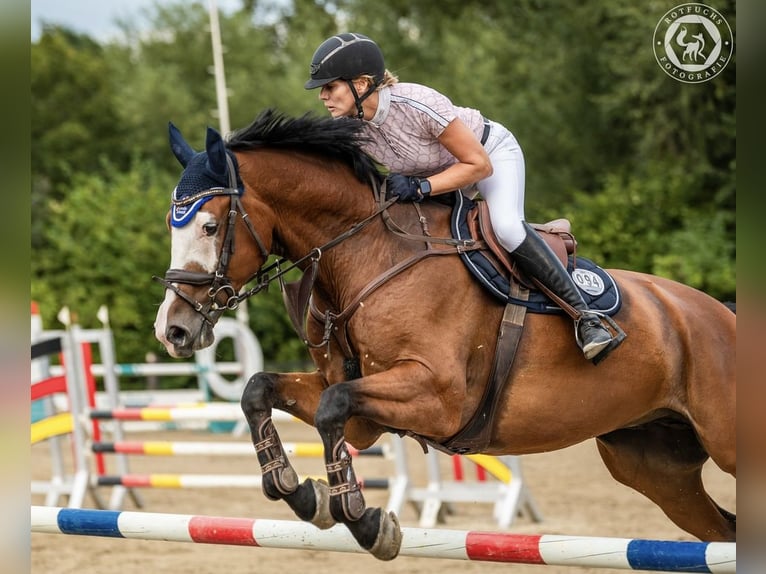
(432, 146)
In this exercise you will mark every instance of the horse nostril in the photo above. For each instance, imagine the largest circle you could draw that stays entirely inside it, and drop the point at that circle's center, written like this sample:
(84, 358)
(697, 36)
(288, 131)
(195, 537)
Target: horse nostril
(176, 335)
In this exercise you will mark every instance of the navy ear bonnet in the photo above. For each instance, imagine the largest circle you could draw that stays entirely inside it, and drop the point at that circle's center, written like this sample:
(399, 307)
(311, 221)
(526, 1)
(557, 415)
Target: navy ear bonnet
(204, 171)
(196, 179)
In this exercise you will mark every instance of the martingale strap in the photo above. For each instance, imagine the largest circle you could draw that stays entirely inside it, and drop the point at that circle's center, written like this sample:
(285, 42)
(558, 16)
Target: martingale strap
(221, 284)
(336, 322)
(296, 296)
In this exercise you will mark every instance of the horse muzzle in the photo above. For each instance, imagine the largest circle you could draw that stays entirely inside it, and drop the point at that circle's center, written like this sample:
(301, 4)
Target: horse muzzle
(183, 327)
(181, 342)
(182, 334)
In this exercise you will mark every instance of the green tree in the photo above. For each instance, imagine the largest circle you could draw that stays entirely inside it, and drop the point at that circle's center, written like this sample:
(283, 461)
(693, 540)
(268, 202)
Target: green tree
(104, 247)
(644, 224)
(643, 165)
(74, 125)
(164, 75)
(662, 199)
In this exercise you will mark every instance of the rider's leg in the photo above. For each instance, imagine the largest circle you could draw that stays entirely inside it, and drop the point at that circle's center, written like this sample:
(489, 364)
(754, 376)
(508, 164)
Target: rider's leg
(536, 259)
(504, 194)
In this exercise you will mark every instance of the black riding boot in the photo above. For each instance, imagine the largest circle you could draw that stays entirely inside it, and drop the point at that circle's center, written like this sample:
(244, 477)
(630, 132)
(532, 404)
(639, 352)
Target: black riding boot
(537, 260)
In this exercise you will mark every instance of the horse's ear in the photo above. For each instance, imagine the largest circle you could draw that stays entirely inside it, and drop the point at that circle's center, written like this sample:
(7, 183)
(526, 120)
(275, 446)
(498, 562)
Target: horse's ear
(216, 152)
(182, 150)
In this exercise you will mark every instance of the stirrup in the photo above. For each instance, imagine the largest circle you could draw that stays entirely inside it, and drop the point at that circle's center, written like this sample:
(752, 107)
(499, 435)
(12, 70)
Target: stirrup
(600, 352)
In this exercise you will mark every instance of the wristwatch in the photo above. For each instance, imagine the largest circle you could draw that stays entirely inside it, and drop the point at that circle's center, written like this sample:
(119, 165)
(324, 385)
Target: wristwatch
(425, 187)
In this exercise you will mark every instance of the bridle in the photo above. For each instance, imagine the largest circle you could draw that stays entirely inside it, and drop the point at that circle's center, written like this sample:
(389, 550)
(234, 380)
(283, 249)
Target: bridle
(220, 284)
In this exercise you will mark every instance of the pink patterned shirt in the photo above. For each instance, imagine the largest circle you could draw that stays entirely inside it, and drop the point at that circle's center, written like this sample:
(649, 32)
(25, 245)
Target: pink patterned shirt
(407, 123)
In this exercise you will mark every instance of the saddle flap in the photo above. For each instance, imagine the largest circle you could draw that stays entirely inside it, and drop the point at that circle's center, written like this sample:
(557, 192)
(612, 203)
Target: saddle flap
(481, 227)
(597, 287)
(557, 234)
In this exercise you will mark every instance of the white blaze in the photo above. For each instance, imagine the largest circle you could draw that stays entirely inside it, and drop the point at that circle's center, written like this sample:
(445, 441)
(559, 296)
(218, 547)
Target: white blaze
(189, 245)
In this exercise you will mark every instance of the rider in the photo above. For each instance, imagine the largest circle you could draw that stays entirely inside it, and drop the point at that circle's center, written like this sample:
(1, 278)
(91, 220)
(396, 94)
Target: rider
(439, 147)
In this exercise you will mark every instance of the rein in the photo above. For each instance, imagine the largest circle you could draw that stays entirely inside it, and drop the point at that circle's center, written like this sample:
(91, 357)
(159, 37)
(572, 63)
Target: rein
(297, 300)
(220, 284)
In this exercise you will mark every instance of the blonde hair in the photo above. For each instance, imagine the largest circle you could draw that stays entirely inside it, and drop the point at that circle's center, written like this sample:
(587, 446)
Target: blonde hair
(389, 79)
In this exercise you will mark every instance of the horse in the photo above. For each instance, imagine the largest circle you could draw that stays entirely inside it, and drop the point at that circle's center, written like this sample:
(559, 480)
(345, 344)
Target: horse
(402, 336)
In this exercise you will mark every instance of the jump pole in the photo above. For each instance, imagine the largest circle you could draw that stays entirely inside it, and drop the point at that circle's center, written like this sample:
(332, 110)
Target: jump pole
(200, 412)
(553, 550)
(211, 481)
(170, 448)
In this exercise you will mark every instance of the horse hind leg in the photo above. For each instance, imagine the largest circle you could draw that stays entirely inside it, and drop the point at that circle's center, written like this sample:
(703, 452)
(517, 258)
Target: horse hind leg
(663, 461)
(375, 530)
(309, 500)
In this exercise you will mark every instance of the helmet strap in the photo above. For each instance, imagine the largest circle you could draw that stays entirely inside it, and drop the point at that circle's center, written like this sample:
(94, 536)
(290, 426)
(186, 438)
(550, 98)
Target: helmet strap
(359, 99)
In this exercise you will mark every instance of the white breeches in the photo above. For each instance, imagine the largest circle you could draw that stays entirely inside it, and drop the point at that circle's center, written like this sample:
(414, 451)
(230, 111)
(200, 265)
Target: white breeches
(504, 189)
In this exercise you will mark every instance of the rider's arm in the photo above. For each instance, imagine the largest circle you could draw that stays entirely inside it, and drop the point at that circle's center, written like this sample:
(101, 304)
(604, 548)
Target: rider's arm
(473, 162)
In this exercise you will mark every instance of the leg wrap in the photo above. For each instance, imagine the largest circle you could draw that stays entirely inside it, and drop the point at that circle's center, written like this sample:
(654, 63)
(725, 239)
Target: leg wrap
(274, 463)
(344, 488)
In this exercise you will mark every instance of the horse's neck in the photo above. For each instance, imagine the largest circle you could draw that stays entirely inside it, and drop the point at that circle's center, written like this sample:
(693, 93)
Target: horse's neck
(307, 205)
(313, 206)
(365, 262)
(306, 225)
(313, 219)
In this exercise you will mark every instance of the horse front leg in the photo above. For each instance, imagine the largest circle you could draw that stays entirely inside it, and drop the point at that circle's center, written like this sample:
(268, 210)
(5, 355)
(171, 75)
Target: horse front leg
(374, 529)
(295, 394)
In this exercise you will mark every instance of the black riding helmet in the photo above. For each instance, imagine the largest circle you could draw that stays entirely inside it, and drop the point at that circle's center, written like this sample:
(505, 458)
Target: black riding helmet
(345, 57)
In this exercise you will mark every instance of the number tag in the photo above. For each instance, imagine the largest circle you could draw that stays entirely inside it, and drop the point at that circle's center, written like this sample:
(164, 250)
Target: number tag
(588, 281)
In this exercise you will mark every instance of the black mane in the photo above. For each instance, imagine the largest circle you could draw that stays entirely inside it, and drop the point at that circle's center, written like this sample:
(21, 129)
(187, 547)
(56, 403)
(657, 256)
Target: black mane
(334, 138)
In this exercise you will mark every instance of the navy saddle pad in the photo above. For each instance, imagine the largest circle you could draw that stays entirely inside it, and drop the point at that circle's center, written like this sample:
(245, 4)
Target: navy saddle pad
(598, 288)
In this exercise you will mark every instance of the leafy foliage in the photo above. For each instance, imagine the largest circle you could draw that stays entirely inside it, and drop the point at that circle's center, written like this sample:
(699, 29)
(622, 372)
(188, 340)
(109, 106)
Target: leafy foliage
(73, 106)
(102, 250)
(643, 165)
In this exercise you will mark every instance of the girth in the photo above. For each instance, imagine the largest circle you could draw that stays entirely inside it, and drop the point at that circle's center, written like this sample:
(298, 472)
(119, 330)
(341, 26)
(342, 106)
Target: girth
(477, 434)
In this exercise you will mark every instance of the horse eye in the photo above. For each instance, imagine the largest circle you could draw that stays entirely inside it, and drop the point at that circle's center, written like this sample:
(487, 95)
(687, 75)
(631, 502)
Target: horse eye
(210, 229)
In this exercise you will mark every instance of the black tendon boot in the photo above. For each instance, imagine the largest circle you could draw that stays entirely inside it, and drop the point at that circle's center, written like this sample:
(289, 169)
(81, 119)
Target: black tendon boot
(536, 259)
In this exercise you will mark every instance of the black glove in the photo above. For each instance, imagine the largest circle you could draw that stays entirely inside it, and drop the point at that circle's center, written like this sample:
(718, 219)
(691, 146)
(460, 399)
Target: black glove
(405, 188)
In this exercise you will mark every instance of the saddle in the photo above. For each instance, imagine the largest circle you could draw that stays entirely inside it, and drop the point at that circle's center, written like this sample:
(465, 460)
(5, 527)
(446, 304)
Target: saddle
(495, 269)
(557, 234)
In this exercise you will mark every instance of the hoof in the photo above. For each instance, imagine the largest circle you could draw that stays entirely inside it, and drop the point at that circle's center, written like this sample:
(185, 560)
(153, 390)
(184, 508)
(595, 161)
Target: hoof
(322, 518)
(389, 540)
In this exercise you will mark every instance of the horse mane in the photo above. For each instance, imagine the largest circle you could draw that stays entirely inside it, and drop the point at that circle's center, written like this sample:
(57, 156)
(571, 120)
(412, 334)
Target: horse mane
(338, 139)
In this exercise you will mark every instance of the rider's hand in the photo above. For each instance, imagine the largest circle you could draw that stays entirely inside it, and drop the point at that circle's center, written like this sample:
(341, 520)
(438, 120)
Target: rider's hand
(404, 188)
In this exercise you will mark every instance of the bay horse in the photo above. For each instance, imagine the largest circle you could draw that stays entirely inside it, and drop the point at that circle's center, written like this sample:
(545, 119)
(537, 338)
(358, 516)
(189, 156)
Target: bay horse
(410, 350)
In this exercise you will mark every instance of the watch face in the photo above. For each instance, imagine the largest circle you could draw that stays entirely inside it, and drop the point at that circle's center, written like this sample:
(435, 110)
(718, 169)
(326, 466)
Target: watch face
(425, 186)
